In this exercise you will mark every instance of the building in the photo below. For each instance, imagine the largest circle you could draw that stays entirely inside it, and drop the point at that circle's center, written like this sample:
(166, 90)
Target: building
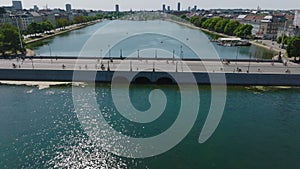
(70, 17)
(297, 18)
(195, 8)
(252, 19)
(292, 27)
(17, 5)
(61, 16)
(117, 8)
(92, 13)
(178, 6)
(47, 16)
(24, 20)
(19, 20)
(290, 19)
(7, 8)
(270, 25)
(58, 11)
(169, 9)
(164, 7)
(68, 7)
(5, 18)
(36, 8)
(289, 31)
(36, 16)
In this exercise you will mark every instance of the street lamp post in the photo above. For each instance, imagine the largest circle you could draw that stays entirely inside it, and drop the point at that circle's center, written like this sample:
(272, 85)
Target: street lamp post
(130, 65)
(19, 31)
(154, 66)
(249, 63)
(283, 34)
(109, 53)
(173, 55)
(236, 56)
(108, 68)
(121, 54)
(50, 52)
(181, 58)
(100, 55)
(181, 52)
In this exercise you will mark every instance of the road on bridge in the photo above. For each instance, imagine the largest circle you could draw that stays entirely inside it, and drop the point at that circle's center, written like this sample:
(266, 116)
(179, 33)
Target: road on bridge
(149, 65)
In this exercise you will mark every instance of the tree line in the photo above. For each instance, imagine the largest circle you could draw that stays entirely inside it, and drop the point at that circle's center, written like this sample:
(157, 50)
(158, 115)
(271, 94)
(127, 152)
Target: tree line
(221, 25)
(46, 26)
(293, 46)
(235, 28)
(10, 40)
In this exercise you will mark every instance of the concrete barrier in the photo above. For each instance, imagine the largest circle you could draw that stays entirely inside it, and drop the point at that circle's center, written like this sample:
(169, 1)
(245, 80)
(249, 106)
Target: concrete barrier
(153, 77)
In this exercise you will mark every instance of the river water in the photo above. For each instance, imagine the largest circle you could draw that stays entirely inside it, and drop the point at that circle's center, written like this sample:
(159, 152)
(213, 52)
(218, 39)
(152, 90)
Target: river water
(43, 127)
(259, 129)
(146, 36)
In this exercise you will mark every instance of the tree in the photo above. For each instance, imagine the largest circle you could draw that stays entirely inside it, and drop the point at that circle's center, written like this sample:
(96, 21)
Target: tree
(183, 16)
(34, 28)
(198, 22)
(230, 27)
(10, 41)
(78, 19)
(206, 23)
(214, 22)
(62, 23)
(293, 47)
(46, 26)
(210, 23)
(248, 30)
(243, 30)
(221, 24)
(202, 20)
(2, 49)
(193, 19)
(285, 39)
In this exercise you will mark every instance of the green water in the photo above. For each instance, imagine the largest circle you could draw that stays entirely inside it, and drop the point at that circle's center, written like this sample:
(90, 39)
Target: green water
(259, 129)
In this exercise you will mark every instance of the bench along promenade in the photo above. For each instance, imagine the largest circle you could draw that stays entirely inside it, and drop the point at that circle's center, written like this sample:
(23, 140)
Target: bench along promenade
(151, 70)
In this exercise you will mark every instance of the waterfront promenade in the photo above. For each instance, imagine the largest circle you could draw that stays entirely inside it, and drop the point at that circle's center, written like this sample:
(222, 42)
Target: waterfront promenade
(60, 31)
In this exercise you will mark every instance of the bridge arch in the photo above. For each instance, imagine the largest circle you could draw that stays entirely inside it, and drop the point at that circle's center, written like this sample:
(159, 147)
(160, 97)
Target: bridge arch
(165, 80)
(142, 80)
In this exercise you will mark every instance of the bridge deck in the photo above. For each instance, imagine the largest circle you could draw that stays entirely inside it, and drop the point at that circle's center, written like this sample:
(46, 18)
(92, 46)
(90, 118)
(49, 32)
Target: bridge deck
(148, 65)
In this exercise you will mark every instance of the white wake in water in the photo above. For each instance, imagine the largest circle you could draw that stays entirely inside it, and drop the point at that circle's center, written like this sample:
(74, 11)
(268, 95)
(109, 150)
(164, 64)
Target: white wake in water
(41, 85)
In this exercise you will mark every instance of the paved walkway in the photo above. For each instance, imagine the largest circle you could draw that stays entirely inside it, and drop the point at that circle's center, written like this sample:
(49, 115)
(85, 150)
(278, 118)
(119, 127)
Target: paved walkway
(62, 31)
(148, 65)
(269, 44)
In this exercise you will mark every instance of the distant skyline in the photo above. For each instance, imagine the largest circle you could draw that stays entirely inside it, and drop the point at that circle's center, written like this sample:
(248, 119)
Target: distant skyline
(157, 4)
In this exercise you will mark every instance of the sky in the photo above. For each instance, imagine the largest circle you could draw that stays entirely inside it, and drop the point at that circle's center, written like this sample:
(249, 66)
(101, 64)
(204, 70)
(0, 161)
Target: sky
(157, 4)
